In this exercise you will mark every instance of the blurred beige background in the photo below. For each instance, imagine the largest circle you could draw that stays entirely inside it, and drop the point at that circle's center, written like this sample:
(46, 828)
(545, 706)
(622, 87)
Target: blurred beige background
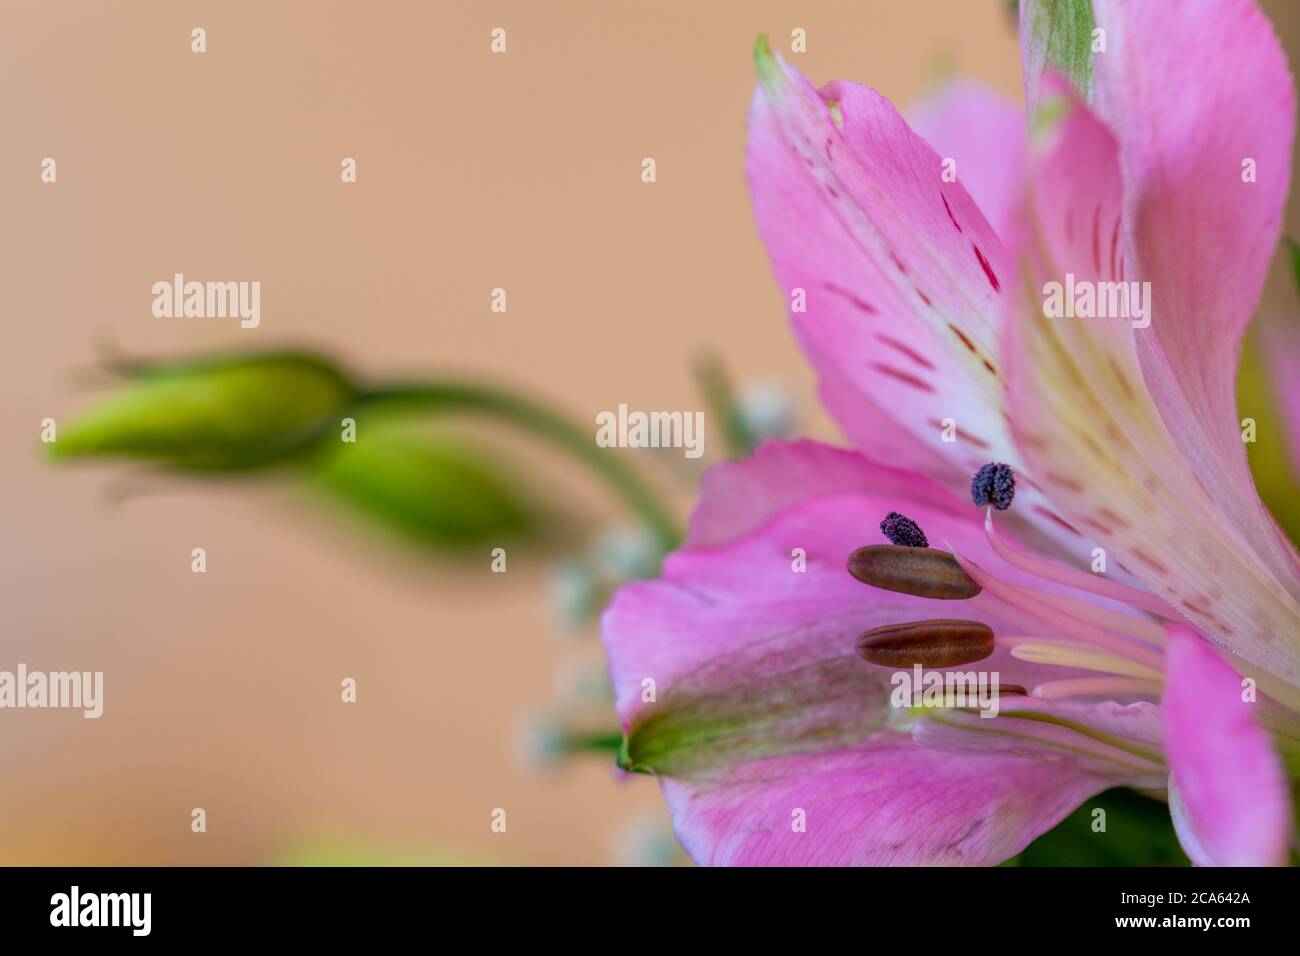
(475, 171)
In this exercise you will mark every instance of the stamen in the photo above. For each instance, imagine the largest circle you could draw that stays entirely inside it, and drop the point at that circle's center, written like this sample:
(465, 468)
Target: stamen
(993, 484)
(1129, 625)
(1093, 583)
(1061, 620)
(902, 530)
(1097, 687)
(1071, 740)
(920, 572)
(940, 643)
(1004, 690)
(1065, 654)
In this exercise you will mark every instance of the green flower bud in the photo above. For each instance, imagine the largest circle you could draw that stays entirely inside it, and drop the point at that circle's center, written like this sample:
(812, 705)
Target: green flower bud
(225, 414)
(433, 490)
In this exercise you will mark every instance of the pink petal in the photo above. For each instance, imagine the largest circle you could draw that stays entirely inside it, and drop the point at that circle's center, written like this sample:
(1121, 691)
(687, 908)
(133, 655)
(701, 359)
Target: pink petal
(759, 696)
(891, 804)
(1190, 99)
(737, 497)
(985, 133)
(1135, 725)
(1092, 435)
(902, 273)
(1120, 742)
(729, 600)
(1070, 752)
(732, 585)
(1231, 803)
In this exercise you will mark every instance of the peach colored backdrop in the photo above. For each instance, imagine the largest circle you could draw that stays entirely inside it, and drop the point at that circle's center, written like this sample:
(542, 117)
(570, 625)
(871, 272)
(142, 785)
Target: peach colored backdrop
(475, 171)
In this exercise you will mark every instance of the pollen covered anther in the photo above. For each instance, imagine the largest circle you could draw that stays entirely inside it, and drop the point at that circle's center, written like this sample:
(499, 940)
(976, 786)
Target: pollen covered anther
(920, 572)
(938, 643)
(994, 484)
(902, 530)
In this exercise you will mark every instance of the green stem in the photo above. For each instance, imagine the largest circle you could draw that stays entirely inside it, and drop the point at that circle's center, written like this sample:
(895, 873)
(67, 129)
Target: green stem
(712, 379)
(464, 397)
(597, 742)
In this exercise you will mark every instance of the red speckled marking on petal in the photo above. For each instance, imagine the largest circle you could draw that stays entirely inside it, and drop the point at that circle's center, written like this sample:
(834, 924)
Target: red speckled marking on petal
(1124, 383)
(948, 210)
(1114, 247)
(1113, 518)
(1096, 238)
(1150, 561)
(910, 352)
(988, 269)
(1022, 477)
(962, 435)
(1052, 516)
(852, 299)
(1065, 482)
(964, 339)
(903, 377)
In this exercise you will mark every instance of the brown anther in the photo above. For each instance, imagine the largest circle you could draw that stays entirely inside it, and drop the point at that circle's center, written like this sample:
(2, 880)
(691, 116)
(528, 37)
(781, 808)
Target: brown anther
(931, 644)
(921, 572)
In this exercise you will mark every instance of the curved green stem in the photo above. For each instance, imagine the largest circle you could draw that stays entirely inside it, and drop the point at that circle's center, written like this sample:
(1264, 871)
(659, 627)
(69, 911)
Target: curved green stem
(466, 397)
(595, 742)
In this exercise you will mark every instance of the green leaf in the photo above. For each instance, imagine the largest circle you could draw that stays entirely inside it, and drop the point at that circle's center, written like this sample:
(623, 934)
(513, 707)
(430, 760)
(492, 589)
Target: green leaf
(1056, 35)
(222, 414)
(1293, 257)
(1259, 397)
(1270, 465)
(1138, 833)
(432, 489)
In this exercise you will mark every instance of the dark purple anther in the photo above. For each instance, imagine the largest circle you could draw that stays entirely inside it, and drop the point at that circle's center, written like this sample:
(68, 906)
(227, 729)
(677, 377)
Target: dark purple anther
(902, 530)
(995, 485)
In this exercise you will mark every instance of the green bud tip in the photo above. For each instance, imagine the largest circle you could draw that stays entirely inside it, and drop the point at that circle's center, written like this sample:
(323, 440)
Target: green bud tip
(769, 69)
(219, 414)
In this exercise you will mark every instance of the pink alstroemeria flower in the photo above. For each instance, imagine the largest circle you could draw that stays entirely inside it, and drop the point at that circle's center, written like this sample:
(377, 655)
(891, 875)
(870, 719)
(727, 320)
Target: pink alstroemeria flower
(919, 300)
